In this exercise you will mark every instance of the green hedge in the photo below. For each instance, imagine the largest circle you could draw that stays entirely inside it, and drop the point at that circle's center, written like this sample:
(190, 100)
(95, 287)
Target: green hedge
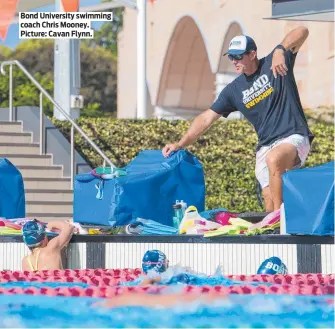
(227, 152)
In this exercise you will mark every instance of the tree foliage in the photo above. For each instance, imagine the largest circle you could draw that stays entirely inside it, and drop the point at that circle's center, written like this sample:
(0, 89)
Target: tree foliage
(98, 77)
(106, 36)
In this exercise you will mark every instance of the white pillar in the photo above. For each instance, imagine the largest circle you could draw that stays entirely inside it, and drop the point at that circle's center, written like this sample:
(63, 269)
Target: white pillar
(141, 60)
(66, 73)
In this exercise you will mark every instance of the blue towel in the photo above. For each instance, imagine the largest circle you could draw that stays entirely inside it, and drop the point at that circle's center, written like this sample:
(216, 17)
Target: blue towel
(149, 227)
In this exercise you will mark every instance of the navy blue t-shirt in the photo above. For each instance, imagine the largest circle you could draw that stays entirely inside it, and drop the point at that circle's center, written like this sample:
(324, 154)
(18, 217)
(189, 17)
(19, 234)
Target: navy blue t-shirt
(271, 105)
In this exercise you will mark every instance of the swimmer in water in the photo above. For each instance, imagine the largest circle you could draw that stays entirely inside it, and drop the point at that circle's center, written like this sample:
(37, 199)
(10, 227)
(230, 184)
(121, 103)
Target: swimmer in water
(189, 279)
(45, 255)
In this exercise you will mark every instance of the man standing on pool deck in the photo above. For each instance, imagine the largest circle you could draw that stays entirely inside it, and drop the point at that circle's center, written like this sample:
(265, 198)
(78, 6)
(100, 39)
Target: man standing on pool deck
(267, 95)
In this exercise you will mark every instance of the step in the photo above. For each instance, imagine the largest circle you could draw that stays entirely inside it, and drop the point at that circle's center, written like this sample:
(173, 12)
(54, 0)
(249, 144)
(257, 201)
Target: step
(10, 127)
(48, 195)
(46, 217)
(53, 207)
(47, 183)
(19, 148)
(15, 138)
(41, 171)
(28, 159)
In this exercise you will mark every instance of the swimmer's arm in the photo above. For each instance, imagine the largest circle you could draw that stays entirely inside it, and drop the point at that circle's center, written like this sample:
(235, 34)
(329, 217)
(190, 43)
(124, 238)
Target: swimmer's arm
(75, 230)
(64, 236)
(149, 281)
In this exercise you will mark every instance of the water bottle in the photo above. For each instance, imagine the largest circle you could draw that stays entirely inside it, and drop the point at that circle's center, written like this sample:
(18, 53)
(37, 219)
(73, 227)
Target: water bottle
(178, 214)
(183, 205)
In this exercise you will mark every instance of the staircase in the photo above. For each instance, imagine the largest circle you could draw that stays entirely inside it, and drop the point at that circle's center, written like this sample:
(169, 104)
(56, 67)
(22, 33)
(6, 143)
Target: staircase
(48, 194)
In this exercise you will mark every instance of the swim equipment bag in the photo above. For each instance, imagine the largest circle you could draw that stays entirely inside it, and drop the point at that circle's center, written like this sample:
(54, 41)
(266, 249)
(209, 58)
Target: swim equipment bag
(151, 186)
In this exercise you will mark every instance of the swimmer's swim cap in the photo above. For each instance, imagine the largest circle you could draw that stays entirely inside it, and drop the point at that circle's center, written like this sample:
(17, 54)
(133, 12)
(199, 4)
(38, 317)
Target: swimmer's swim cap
(154, 260)
(272, 265)
(33, 234)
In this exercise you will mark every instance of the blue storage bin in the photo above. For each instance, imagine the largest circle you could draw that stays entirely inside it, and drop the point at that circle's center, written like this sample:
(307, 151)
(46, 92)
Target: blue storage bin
(309, 200)
(150, 188)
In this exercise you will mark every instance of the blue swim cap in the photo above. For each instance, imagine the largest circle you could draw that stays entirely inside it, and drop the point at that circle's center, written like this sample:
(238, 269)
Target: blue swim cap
(154, 260)
(33, 234)
(272, 265)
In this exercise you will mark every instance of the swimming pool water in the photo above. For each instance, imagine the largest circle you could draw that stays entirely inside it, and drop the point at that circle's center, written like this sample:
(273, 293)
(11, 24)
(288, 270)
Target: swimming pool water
(234, 311)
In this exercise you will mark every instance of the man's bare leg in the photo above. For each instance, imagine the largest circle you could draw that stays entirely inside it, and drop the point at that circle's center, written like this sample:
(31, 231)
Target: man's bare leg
(267, 199)
(283, 157)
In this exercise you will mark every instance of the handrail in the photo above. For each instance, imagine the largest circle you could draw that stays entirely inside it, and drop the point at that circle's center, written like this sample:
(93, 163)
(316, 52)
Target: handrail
(46, 94)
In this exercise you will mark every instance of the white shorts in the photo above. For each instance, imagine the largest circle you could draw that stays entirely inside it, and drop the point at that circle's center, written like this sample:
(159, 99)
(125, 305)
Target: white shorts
(262, 170)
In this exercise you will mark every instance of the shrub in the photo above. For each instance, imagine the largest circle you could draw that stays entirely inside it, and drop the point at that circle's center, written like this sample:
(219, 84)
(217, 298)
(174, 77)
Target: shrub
(227, 152)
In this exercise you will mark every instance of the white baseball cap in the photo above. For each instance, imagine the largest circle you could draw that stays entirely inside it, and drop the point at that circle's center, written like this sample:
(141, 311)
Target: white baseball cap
(240, 45)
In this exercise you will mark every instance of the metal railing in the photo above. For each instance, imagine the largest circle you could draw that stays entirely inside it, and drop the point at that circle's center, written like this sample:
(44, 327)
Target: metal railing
(106, 160)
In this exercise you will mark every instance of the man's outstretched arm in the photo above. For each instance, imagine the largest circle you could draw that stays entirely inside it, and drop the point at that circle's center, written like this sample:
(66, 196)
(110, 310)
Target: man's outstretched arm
(198, 127)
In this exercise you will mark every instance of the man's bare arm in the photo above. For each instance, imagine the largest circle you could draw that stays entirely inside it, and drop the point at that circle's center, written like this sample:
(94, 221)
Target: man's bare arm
(198, 127)
(295, 39)
(292, 41)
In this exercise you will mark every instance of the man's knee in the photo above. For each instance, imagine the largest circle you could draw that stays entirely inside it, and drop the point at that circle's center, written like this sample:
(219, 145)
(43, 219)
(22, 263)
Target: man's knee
(273, 161)
(281, 158)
